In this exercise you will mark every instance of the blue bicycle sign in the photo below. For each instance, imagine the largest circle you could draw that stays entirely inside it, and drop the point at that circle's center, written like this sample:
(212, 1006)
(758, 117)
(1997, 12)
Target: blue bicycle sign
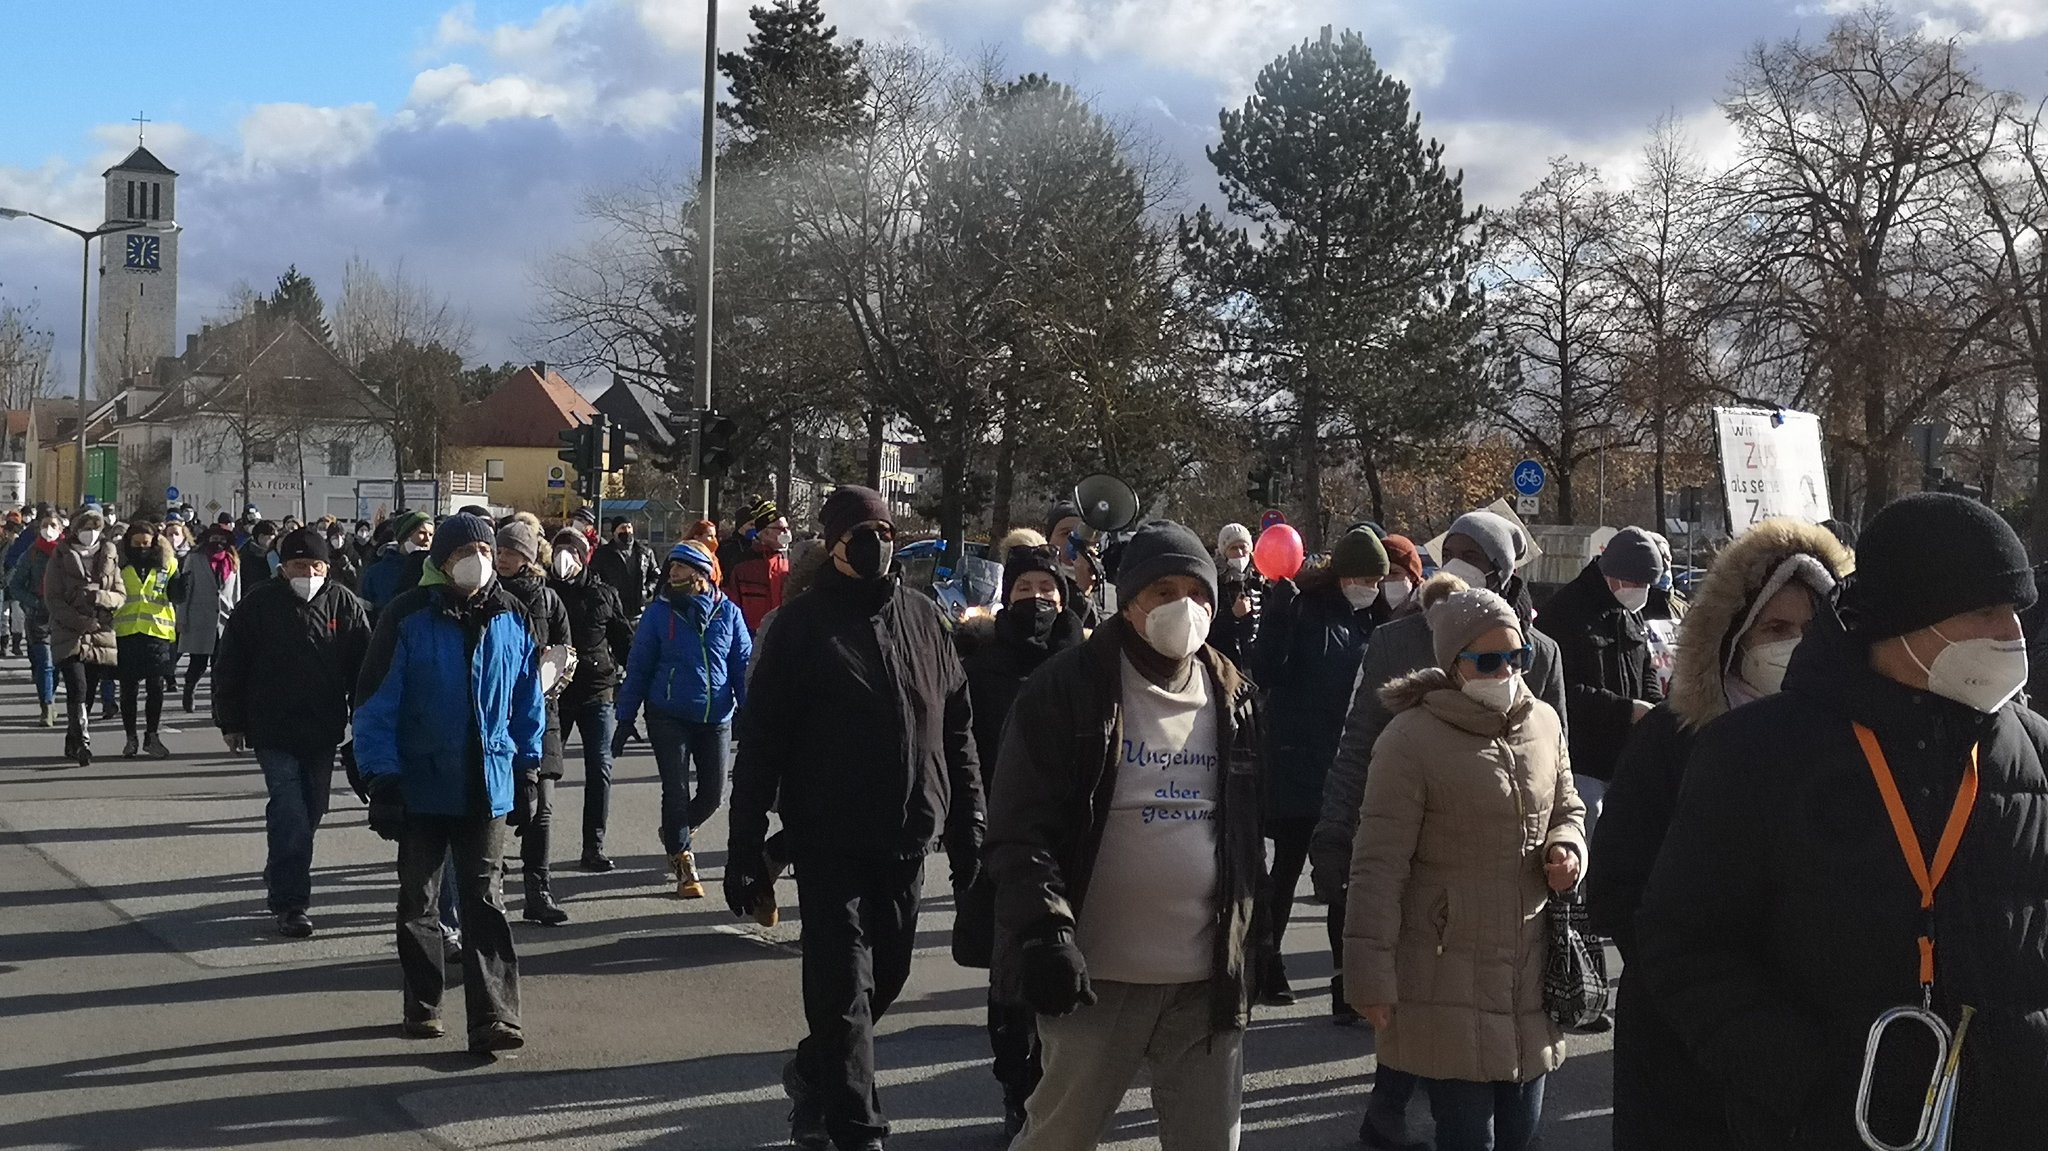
(1529, 478)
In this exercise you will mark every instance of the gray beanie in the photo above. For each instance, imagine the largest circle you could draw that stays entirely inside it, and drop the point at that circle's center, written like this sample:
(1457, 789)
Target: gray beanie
(1632, 556)
(1497, 536)
(1463, 616)
(1163, 548)
(520, 538)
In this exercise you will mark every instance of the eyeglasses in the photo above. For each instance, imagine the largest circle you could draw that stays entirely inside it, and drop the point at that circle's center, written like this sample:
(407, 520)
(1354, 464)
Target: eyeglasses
(1490, 662)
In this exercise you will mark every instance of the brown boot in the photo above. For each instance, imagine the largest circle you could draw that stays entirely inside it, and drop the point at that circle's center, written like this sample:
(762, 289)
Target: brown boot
(765, 912)
(688, 886)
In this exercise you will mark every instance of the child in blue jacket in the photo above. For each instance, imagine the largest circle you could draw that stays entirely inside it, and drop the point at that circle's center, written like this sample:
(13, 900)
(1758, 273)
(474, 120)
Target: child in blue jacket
(689, 666)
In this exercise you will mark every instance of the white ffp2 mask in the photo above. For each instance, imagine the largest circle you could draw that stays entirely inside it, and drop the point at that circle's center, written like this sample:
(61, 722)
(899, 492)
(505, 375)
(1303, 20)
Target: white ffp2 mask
(1632, 598)
(1468, 571)
(1359, 597)
(1978, 673)
(308, 586)
(565, 563)
(470, 572)
(1494, 694)
(1177, 629)
(1764, 664)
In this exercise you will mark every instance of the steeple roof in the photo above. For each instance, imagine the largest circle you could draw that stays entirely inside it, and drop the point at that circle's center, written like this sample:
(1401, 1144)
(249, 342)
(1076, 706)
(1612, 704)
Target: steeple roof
(140, 160)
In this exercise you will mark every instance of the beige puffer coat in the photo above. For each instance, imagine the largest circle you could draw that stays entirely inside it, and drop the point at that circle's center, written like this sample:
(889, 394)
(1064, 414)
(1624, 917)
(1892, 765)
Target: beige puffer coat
(82, 590)
(1446, 912)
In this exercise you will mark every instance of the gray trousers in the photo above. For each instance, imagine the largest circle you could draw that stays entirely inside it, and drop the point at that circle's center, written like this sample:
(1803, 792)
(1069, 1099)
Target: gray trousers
(1093, 1055)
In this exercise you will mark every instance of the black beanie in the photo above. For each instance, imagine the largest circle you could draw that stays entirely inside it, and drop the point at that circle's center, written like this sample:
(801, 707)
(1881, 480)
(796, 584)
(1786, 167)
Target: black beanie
(458, 531)
(1023, 560)
(850, 506)
(1930, 556)
(303, 544)
(1163, 548)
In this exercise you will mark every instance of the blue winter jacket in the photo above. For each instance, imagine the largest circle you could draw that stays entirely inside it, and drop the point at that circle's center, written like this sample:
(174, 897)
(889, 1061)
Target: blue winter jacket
(688, 663)
(425, 695)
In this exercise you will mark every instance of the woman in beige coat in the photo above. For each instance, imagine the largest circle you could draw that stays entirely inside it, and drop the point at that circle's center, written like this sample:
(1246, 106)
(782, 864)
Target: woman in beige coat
(82, 589)
(1469, 822)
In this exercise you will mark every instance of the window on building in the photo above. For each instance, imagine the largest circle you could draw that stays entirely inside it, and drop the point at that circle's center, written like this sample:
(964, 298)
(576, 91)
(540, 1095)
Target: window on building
(263, 452)
(340, 458)
(156, 201)
(494, 469)
(131, 201)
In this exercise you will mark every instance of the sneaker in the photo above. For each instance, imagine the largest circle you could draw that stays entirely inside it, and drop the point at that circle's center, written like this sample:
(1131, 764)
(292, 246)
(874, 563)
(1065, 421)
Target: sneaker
(595, 860)
(492, 1038)
(688, 886)
(84, 755)
(110, 714)
(155, 747)
(294, 925)
(129, 749)
(422, 1029)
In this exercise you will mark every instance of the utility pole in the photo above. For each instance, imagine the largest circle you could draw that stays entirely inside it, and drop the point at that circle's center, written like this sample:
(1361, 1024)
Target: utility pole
(707, 249)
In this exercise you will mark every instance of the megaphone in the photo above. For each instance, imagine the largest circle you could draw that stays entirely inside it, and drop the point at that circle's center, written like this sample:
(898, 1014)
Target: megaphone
(1107, 503)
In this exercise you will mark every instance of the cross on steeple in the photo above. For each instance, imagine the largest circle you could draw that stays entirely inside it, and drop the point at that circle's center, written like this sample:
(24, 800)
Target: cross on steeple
(140, 120)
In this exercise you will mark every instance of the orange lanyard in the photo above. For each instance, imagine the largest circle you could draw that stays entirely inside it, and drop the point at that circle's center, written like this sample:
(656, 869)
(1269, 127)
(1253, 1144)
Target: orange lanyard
(1909, 839)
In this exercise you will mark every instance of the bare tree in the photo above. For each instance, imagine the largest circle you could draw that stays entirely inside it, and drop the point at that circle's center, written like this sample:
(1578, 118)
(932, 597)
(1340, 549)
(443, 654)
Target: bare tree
(1555, 301)
(25, 351)
(2014, 183)
(1866, 238)
(378, 311)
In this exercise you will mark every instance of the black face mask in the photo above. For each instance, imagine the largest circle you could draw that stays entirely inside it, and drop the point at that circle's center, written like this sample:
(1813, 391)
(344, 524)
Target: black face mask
(1029, 621)
(625, 539)
(868, 553)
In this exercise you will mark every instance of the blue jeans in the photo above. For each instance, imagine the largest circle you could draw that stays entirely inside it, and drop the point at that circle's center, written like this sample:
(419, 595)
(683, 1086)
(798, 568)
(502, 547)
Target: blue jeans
(299, 786)
(677, 744)
(45, 672)
(1485, 1116)
(596, 720)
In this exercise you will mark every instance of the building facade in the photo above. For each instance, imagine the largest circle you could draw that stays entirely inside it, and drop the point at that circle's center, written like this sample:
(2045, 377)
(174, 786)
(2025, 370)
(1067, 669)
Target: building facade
(138, 305)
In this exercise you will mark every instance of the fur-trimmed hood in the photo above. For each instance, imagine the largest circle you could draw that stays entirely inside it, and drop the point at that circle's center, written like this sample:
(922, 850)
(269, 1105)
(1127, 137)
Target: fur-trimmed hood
(1438, 690)
(1723, 604)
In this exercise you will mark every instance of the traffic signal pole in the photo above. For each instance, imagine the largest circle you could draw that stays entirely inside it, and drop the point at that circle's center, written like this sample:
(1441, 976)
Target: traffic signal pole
(707, 248)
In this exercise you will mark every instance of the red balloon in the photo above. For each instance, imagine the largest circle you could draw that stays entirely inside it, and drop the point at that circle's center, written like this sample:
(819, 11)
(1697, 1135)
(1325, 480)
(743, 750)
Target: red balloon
(1278, 554)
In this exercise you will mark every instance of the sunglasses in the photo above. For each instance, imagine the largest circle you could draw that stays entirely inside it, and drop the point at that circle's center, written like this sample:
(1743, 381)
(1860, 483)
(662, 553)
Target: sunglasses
(1490, 662)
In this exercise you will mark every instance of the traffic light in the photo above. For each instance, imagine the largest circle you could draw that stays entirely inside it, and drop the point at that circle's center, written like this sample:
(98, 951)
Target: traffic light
(675, 453)
(583, 449)
(1261, 491)
(714, 443)
(625, 449)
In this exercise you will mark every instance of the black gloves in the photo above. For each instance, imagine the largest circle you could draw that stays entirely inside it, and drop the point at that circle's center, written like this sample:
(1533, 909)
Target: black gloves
(619, 738)
(746, 876)
(387, 807)
(963, 855)
(1055, 975)
(523, 784)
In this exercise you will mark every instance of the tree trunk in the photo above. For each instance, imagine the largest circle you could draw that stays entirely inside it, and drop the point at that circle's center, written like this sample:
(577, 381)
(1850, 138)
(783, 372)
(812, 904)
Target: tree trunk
(2037, 531)
(1657, 464)
(1565, 512)
(1375, 487)
(1308, 445)
(876, 425)
(1995, 449)
(953, 505)
(1006, 475)
(1877, 458)
(784, 473)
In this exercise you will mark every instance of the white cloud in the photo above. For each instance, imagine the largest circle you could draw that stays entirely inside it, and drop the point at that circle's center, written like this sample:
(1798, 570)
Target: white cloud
(1968, 20)
(302, 136)
(451, 95)
(1230, 40)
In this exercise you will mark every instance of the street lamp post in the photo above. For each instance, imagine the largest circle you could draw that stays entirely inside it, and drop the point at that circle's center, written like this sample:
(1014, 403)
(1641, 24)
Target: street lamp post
(707, 209)
(85, 301)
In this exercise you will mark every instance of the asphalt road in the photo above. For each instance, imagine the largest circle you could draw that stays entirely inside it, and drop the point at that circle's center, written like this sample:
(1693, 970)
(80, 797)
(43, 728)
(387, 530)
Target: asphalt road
(145, 1002)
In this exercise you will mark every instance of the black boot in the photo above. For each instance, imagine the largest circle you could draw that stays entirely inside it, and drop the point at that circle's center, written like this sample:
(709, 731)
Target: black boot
(1340, 1008)
(540, 902)
(1274, 990)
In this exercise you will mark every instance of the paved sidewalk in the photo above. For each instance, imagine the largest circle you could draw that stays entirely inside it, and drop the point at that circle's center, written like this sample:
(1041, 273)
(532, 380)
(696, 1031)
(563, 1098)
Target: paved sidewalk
(145, 1003)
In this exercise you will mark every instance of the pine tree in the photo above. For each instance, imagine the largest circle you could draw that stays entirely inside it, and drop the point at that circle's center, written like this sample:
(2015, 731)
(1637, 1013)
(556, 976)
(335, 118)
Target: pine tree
(296, 298)
(1351, 309)
(794, 87)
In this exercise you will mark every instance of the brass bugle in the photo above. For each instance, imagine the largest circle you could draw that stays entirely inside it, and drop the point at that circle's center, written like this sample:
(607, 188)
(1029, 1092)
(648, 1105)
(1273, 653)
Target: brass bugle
(1938, 1111)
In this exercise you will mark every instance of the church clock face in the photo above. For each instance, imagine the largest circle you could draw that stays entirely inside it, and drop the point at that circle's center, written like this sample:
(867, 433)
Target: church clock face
(145, 252)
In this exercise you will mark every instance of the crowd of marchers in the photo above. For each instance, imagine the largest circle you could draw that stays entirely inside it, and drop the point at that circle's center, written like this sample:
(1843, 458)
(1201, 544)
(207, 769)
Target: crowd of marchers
(1809, 794)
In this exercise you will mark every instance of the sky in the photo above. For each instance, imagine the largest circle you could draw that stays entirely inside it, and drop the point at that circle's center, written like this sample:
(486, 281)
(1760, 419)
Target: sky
(458, 141)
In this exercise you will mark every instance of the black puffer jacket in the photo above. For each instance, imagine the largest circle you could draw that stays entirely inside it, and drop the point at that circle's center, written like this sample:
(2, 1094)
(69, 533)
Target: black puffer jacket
(632, 571)
(1051, 804)
(287, 667)
(999, 656)
(1307, 657)
(1781, 918)
(858, 715)
(1606, 654)
(549, 620)
(602, 633)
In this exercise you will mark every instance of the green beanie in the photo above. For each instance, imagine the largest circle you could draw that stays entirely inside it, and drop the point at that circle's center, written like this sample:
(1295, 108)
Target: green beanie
(1359, 555)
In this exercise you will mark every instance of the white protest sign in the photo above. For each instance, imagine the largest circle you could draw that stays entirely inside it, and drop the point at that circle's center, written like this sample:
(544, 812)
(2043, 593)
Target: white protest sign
(1771, 465)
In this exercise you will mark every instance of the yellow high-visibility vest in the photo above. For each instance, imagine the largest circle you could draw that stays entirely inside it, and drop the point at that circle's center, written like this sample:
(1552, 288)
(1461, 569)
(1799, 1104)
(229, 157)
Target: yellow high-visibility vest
(148, 610)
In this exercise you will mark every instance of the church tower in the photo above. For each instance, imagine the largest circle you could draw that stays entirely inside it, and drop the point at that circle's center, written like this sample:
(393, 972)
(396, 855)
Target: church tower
(138, 317)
